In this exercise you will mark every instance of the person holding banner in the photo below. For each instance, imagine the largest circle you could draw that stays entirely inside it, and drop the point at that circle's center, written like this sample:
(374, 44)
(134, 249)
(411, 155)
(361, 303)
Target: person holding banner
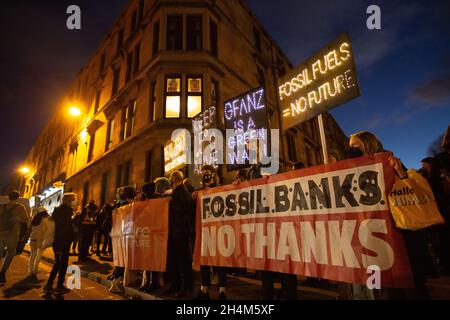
(440, 183)
(366, 143)
(208, 174)
(179, 253)
(162, 190)
(125, 196)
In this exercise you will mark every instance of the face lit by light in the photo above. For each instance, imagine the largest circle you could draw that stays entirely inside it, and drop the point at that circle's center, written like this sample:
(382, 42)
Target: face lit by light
(355, 142)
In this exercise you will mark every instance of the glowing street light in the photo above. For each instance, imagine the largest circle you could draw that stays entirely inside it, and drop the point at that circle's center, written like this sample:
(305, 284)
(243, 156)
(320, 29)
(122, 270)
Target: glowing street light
(74, 111)
(24, 170)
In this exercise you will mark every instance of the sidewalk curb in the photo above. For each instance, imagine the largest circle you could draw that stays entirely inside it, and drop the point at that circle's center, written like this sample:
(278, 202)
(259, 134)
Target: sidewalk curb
(93, 276)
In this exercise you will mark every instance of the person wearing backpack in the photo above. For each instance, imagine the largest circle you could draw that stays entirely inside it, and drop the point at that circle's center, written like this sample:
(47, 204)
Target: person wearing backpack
(13, 219)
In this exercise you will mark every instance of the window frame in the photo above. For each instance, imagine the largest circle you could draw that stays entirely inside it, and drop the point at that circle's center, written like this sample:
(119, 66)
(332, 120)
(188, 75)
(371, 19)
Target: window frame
(156, 36)
(116, 81)
(109, 134)
(192, 35)
(179, 34)
(194, 94)
(214, 41)
(173, 94)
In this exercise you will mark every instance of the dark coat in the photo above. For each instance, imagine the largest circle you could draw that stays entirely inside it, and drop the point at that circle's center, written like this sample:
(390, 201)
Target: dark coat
(180, 213)
(64, 234)
(441, 188)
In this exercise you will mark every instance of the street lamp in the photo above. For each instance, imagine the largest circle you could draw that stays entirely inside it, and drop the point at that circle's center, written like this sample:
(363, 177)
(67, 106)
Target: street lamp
(74, 111)
(24, 170)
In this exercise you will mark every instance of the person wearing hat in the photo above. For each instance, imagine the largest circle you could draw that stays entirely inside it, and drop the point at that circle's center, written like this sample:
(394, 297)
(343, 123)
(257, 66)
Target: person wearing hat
(39, 227)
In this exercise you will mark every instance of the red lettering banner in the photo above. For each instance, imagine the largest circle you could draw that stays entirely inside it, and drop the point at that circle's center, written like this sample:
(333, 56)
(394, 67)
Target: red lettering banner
(331, 221)
(139, 235)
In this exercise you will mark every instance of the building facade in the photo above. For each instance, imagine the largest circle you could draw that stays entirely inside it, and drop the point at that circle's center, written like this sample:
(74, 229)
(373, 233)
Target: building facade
(161, 64)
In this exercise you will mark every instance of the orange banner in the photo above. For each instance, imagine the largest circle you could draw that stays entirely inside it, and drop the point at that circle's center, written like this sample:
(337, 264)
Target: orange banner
(139, 235)
(331, 222)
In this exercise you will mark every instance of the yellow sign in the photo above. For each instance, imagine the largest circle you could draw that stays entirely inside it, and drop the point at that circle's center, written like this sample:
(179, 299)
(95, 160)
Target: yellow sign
(174, 154)
(322, 82)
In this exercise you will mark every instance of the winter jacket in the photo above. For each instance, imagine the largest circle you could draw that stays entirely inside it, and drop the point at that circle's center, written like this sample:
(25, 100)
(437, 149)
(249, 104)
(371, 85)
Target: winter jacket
(64, 234)
(180, 213)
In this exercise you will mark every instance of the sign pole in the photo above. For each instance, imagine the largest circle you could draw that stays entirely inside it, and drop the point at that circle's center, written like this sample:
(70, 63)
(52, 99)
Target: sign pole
(323, 139)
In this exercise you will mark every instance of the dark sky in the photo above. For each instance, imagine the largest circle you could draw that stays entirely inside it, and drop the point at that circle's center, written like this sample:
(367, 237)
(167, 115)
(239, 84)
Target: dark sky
(403, 69)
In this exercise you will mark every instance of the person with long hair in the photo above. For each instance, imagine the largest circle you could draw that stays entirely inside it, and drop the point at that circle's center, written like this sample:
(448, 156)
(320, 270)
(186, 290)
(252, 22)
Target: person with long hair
(366, 143)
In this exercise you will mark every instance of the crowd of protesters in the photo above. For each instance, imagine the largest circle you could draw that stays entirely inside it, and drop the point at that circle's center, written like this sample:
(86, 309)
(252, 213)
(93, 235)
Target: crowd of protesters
(90, 230)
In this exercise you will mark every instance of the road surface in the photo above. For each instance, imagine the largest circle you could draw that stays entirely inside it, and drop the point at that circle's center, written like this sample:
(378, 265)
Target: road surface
(18, 287)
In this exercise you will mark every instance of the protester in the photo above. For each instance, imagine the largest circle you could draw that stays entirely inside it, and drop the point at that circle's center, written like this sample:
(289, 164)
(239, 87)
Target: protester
(241, 176)
(108, 223)
(425, 170)
(125, 197)
(298, 165)
(76, 231)
(88, 225)
(62, 217)
(102, 233)
(208, 174)
(150, 283)
(288, 281)
(440, 183)
(189, 185)
(39, 225)
(13, 219)
(365, 143)
(162, 186)
(179, 253)
(148, 193)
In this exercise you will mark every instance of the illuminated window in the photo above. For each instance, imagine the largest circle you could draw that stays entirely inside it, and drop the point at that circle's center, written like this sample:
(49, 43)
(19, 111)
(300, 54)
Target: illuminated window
(173, 106)
(174, 32)
(194, 33)
(194, 97)
(194, 106)
(173, 97)
(173, 85)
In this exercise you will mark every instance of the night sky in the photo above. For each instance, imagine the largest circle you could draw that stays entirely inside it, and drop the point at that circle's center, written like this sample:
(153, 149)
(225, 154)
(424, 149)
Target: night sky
(403, 69)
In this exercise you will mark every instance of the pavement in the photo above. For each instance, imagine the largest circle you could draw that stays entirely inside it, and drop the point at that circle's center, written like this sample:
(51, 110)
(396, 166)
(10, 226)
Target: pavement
(247, 287)
(240, 287)
(19, 287)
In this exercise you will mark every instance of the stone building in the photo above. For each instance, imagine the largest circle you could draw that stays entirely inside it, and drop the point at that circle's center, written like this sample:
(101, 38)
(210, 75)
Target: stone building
(161, 63)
